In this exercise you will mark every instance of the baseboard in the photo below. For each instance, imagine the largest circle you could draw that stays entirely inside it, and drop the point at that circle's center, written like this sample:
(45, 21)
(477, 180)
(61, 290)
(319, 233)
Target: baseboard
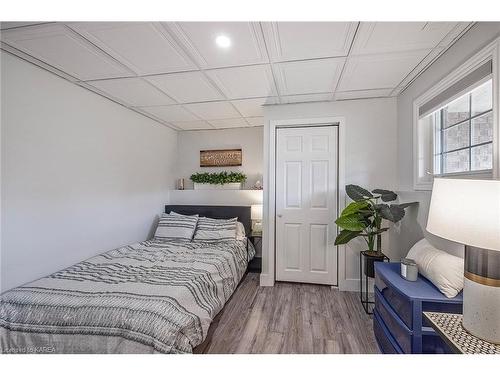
(265, 280)
(352, 285)
(349, 285)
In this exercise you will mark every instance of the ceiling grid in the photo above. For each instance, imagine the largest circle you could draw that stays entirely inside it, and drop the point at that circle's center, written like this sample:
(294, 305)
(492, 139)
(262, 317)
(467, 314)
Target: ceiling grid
(176, 74)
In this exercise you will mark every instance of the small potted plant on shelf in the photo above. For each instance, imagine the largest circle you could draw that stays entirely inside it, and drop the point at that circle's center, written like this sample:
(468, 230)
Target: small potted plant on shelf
(363, 218)
(223, 180)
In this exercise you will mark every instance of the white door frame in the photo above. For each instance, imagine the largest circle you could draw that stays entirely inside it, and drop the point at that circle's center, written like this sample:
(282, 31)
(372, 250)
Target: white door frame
(268, 275)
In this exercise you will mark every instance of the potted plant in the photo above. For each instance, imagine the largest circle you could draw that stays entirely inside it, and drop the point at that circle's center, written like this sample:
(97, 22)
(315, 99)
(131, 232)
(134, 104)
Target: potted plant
(363, 218)
(223, 180)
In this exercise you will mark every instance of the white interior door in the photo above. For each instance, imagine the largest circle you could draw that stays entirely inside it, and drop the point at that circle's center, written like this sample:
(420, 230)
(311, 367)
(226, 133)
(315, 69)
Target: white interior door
(306, 204)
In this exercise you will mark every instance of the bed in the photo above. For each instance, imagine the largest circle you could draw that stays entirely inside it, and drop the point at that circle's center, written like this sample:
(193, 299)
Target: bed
(154, 296)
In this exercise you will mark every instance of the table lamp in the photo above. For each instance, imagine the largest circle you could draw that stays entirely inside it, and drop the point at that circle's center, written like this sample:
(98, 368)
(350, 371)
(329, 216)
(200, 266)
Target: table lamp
(256, 216)
(468, 211)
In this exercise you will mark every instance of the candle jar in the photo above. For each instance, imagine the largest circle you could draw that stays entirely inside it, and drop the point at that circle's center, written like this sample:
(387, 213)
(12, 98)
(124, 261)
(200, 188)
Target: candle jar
(409, 269)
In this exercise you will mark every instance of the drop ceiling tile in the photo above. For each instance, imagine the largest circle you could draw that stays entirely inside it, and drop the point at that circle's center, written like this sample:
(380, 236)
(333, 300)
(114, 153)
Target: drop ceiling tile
(379, 71)
(247, 43)
(229, 123)
(455, 33)
(144, 47)
(362, 94)
(250, 107)
(29, 58)
(11, 25)
(187, 87)
(308, 77)
(255, 121)
(193, 125)
(382, 37)
(289, 99)
(244, 82)
(57, 45)
(213, 110)
(306, 40)
(147, 114)
(170, 113)
(132, 91)
(421, 66)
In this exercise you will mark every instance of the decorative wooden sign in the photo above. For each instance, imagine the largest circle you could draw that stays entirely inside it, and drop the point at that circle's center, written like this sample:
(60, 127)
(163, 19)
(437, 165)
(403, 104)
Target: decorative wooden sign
(220, 158)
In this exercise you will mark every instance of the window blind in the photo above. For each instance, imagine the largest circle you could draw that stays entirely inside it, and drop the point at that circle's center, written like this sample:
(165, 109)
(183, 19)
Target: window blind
(439, 100)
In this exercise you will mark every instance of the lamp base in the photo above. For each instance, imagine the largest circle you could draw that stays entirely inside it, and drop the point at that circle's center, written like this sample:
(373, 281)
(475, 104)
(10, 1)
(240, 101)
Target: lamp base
(481, 315)
(257, 226)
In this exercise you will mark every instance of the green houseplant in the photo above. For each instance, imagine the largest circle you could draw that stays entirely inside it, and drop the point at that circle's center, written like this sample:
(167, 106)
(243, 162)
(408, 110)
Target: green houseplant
(364, 218)
(221, 180)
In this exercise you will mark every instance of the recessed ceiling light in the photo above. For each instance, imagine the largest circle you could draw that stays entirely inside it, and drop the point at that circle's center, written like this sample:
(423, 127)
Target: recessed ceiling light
(223, 41)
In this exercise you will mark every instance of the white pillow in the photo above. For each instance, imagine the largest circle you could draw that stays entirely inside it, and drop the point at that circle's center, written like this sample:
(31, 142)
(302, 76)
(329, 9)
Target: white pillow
(176, 227)
(215, 229)
(240, 231)
(444, 270)
(240, 228)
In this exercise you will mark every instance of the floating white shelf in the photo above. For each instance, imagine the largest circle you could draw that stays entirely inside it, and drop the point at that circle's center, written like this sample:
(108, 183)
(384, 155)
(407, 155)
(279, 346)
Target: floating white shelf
(216, 197)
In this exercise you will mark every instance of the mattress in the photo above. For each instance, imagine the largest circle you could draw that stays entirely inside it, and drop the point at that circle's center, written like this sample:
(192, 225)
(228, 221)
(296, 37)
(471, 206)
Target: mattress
(149, 297)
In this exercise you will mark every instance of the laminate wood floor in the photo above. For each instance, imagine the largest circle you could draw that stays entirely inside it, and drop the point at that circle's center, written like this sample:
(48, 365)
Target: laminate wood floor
(290, 318)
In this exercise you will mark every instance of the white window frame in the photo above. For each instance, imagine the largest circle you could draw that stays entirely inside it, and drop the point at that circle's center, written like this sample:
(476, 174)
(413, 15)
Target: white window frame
(490, 52)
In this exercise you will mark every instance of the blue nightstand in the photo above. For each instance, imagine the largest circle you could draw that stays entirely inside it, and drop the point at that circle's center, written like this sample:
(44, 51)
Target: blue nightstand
(398, 322)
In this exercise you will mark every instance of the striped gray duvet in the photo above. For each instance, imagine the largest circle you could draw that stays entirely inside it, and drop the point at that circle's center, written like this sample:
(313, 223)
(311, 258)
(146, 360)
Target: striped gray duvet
(150, 297)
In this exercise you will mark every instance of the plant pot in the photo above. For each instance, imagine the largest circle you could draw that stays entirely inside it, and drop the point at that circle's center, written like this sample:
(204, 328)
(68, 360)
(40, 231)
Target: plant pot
(230, 186)
(369, 264)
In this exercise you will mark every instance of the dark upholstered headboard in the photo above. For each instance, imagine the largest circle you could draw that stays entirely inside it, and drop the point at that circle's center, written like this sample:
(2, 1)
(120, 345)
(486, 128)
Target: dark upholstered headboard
(216, 212)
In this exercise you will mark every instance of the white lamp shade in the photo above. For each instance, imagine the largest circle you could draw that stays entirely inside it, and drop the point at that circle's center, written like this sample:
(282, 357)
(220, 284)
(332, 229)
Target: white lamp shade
(466, 211)
(256, 212)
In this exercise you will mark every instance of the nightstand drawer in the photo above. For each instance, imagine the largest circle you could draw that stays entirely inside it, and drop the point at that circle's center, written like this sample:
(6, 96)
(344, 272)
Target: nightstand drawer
(384, 339)
(400, 332)
(398, 302)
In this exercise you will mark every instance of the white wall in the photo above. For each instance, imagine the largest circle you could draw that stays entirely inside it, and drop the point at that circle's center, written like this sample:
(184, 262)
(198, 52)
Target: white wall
(250, 140)
(80, 174)
(370, 158)
(473, 41)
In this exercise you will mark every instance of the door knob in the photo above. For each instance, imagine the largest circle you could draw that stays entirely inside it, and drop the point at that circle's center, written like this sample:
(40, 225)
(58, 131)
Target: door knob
(279, 215)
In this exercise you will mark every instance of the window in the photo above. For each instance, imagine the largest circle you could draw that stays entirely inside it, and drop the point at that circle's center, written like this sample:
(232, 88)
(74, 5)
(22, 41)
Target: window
(463, 133)
(456, 128)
